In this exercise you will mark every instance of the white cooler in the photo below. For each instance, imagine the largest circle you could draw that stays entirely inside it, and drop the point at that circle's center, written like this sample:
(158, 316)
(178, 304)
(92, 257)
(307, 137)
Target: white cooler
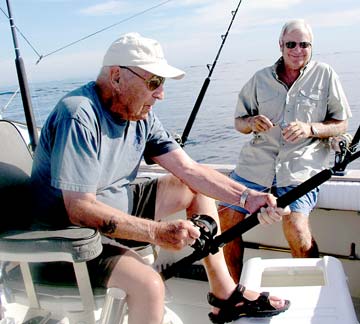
(316, 288)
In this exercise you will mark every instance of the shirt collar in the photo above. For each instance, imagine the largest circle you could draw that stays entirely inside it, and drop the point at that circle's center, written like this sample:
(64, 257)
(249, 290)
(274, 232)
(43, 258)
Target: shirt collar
(279, 64)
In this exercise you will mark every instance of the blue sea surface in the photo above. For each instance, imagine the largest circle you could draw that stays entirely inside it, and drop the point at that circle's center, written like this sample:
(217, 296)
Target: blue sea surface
(212, 138)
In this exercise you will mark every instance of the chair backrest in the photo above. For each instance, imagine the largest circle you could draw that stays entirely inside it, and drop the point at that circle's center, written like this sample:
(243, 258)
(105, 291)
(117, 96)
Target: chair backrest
(15, 157)
(15, 170)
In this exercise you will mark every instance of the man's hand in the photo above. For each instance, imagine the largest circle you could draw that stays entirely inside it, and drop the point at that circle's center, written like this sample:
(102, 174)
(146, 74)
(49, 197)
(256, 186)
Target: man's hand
(175, 235)
(296, 131)
(260, 123)
(257, 199)
(270, 215)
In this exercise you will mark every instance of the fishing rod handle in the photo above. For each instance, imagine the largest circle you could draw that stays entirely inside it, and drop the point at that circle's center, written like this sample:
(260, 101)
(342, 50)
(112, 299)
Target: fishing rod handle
(283, 201)
(248, 223)
(304, 188)
(171, 270)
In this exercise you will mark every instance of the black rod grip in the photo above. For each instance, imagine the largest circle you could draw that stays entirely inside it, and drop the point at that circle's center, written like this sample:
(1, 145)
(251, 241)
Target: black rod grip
(304, 188)
(172, 269)
(248, 223)
(282, 201)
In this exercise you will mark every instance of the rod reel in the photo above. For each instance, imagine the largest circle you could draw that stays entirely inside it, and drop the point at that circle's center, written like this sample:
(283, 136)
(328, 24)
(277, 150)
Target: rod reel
(346, 147)
(208, 243)
(208, 229)
(341, 145)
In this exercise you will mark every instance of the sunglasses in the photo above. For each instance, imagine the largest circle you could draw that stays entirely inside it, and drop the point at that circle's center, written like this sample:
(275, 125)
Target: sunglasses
(292, 44)
(152, 83)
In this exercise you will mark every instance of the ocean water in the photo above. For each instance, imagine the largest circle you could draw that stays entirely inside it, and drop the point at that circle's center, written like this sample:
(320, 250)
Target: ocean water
(212, 138)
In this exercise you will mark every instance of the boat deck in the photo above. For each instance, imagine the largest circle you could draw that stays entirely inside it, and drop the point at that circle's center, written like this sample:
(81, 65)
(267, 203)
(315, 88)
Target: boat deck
(186, 297)
(188, 301)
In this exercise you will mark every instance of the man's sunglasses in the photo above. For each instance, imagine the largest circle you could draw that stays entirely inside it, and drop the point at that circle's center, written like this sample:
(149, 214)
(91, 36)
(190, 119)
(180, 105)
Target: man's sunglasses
(152, 83)
(301, 44)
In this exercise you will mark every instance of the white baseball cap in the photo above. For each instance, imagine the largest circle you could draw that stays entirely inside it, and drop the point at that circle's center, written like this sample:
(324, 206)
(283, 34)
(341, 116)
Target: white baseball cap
(134, 50)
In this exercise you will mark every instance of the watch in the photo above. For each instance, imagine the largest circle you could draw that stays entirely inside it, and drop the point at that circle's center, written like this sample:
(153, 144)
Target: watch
(314, 131)
(243, 198)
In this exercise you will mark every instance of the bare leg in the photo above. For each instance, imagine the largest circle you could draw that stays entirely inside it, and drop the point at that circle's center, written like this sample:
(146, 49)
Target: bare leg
(172, 196)
(144, 289)
(298, 234)
(234, 250)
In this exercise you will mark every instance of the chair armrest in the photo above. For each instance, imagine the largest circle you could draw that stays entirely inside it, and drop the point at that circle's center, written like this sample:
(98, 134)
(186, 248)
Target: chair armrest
(74, 244)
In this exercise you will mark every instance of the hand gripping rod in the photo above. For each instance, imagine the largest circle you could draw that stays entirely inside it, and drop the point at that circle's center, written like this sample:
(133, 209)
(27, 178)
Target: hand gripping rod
(251, 221)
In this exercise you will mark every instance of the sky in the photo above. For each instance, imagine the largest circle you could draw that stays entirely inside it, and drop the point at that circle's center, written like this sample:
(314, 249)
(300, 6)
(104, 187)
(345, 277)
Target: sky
(189, 31)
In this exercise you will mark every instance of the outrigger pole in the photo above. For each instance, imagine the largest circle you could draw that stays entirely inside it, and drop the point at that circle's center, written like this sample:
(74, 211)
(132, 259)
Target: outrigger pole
(206, 83)
(210, 244)
(23, 84)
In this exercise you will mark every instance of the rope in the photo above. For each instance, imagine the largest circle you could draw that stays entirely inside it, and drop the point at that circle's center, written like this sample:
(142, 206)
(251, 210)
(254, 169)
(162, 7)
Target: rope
(40, 57)
(2, 110)
(22, 35)
(103, 29)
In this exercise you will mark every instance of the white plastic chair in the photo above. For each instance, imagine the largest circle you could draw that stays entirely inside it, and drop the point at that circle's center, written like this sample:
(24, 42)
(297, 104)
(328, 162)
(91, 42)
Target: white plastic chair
(20, 248)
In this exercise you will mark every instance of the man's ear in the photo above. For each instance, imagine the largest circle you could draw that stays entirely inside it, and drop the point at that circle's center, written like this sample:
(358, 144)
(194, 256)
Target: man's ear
(281, 45)
(115, 75)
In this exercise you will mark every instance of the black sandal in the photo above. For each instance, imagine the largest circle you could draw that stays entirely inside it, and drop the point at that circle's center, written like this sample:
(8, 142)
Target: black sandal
(230, 310)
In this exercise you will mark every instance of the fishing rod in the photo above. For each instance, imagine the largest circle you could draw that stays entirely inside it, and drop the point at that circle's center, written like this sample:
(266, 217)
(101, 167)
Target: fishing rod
(260, 246)
(206, 83)
(208, 243)
(23, 84)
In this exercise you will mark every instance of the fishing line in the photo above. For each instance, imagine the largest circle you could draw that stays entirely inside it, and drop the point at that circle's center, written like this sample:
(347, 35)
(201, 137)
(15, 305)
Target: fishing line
(40, 56)
(22, 34)
(3, 109)
(237, 202)
(103, 29)
(213, 245)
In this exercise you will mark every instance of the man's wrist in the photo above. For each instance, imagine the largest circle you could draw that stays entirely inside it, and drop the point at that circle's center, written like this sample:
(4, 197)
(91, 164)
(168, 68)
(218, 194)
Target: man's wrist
(250, 123)
(314, 131)
(244, 197)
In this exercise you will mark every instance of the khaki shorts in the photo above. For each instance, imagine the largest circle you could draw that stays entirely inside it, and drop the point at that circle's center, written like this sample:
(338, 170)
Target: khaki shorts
(143, 206)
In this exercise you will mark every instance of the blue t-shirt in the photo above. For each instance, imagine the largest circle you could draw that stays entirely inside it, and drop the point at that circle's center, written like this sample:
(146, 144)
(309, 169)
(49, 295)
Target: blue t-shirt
(84, 148)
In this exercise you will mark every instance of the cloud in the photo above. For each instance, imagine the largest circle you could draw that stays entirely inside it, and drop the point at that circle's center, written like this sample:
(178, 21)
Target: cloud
(107, 8)
(258, 5)
(115, 7)
(336, 19)
(217, 14)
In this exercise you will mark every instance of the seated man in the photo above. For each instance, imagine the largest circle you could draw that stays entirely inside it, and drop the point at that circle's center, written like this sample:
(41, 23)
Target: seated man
(88, 156)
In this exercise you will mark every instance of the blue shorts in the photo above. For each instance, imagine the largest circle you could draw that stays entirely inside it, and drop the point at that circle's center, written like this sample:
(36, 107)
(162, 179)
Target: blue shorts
(303, 205)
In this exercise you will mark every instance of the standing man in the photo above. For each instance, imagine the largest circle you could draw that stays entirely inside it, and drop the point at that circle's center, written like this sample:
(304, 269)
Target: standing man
(291, 109)
(89, 154)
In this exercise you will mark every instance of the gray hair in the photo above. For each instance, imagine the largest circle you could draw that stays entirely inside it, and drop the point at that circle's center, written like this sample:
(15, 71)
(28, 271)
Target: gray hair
(296, 24)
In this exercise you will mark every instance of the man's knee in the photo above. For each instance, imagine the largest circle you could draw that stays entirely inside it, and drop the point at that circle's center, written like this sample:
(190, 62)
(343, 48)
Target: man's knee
(296, 222)
(173, 194)
(153, 285)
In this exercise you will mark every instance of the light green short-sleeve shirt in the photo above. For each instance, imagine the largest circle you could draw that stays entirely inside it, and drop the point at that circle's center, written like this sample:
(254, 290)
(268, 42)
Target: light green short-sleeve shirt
(315, 96)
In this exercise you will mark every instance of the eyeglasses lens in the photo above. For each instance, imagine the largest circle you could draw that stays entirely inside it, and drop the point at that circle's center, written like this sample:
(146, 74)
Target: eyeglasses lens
(301, 44)
(155, 82)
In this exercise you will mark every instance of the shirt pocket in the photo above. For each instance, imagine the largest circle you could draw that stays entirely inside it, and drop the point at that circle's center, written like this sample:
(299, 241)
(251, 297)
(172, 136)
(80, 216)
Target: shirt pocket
(310, 105)
(270, 104)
